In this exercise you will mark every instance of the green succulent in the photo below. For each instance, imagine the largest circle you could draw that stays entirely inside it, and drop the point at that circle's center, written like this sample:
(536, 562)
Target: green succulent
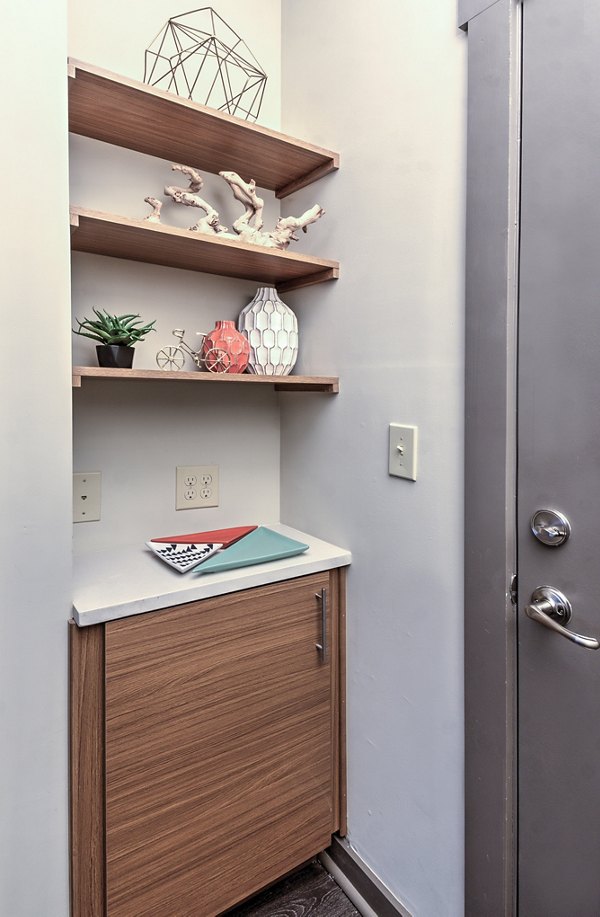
(113, 329)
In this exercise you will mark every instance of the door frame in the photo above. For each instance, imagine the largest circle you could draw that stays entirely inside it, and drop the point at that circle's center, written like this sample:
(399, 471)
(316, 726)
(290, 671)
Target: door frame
(492, 261)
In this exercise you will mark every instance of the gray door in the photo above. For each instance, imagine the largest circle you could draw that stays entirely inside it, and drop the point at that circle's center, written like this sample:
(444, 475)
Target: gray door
(559, 457)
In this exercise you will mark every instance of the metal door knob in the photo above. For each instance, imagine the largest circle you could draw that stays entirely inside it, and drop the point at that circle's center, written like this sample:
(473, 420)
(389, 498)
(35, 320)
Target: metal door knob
(553, 609)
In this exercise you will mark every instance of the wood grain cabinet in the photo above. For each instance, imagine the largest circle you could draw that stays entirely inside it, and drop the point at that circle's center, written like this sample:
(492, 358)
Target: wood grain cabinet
(206, 748)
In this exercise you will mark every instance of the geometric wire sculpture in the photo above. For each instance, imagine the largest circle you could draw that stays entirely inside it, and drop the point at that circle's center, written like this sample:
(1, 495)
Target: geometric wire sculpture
(199, 56)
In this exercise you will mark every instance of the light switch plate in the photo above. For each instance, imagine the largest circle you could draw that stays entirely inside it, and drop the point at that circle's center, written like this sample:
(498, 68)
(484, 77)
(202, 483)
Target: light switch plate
(87, 487)
(403, 451)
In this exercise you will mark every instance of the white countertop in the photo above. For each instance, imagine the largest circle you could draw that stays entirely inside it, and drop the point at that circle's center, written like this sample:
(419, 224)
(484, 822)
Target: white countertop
(119, 583)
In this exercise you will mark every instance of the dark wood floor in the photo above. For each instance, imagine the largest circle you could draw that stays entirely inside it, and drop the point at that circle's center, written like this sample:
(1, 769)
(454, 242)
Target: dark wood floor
(308, 893)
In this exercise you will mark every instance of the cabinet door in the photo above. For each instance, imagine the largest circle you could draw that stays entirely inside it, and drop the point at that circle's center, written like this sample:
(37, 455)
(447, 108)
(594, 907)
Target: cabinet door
(219, 749)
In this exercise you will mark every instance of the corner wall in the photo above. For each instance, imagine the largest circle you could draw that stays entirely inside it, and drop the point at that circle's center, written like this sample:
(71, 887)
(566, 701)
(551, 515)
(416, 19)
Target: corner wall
(386, 87)
(35, 463)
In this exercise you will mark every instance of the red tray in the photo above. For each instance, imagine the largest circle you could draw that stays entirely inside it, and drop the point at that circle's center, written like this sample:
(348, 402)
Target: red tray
(221, 536)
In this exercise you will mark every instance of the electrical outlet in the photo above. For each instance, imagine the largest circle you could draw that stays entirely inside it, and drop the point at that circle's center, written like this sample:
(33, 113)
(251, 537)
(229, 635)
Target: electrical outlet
(196, 486)
(403, 451)
(86, 496)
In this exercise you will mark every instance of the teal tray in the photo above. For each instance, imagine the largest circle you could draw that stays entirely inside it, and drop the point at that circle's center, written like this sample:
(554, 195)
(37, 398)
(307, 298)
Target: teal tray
(258, 547)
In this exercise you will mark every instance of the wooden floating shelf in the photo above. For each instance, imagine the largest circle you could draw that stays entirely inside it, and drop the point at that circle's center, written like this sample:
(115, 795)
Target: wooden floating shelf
(328, 384)
(130, 114)
(139, 240)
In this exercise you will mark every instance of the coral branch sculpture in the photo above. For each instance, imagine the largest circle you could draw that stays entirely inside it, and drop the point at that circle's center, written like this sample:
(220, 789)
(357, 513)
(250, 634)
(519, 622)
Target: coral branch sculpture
(156, 205)
(245, 193)
(284, 230)
(209, 223)
(248, 227)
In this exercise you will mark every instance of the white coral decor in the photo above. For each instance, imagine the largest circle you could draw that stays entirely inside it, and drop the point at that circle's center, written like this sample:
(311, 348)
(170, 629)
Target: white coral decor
(272, 331)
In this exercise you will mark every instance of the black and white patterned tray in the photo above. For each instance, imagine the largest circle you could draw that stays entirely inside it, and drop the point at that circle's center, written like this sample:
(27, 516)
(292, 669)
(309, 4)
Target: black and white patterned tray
(182, 557)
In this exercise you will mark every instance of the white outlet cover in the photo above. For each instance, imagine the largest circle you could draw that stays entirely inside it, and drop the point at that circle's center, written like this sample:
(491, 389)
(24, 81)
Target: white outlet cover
(87, 491)
(205, 490)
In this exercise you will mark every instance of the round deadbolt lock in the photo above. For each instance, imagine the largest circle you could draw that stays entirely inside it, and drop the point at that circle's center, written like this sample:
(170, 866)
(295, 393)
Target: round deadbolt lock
(550, 527)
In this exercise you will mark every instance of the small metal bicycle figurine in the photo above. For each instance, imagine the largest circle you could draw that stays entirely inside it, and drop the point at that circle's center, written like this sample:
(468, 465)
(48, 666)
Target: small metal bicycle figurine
(172, 358)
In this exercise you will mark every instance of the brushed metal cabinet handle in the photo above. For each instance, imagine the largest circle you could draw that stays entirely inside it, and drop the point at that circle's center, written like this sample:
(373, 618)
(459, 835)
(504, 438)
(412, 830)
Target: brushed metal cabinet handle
(322, 646)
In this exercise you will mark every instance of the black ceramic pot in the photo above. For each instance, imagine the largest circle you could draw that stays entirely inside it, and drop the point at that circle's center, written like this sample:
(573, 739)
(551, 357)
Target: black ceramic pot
(116, 355)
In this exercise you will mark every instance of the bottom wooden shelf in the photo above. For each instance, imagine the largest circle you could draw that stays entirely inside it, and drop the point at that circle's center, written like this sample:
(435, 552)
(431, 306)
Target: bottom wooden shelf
(329, 384)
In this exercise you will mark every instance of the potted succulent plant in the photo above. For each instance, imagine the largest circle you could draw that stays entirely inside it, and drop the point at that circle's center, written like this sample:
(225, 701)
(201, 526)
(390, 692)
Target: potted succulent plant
(116, 333)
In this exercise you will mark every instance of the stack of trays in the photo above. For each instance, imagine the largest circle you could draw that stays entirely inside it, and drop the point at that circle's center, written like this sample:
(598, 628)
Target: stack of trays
(224, 549)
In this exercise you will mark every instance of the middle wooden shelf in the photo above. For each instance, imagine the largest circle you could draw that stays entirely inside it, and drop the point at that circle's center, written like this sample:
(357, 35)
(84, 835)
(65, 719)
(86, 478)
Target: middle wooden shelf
(327, 384)
(139, 240)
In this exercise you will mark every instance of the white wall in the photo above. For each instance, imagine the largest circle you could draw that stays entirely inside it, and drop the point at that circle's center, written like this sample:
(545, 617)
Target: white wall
(34, 463)
(385, 86)
(136, 434)
(114, 35)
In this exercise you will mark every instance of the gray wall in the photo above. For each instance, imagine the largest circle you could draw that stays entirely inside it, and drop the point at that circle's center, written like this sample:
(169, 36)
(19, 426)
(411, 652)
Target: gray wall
(385, 85)
(35, 463)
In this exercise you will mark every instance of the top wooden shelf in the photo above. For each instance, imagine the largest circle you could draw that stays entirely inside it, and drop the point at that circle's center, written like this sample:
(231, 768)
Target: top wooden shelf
(126, 113)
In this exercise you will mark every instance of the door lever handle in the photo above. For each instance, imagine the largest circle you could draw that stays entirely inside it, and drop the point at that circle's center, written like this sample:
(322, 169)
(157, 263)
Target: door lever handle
(553, 609)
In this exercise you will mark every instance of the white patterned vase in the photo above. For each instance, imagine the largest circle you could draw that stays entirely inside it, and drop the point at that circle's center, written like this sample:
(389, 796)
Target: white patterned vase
(272, 331)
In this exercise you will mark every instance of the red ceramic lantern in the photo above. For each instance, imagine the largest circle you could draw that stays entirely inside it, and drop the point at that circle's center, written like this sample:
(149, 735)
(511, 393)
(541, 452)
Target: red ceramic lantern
(225, 349)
